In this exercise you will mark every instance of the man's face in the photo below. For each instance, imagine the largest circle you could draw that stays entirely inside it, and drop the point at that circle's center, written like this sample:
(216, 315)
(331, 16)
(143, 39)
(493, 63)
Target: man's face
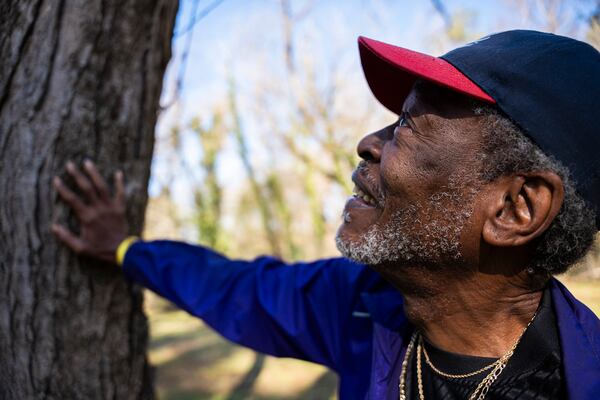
(415, 183)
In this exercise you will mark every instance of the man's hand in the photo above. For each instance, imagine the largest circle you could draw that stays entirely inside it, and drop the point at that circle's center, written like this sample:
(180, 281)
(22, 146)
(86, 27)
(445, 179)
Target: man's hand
(102, 219)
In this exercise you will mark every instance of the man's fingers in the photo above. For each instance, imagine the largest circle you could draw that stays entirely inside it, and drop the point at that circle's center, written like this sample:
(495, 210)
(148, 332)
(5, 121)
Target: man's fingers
(97, 179)
(69, 238)
(119, 188)
(69, 197)
(84, 183)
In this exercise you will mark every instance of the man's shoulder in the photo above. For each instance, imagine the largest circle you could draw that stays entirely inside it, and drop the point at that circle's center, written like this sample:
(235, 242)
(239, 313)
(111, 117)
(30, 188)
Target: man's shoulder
(566, 304)
(575, 318)
(337, 271)
(374, 297)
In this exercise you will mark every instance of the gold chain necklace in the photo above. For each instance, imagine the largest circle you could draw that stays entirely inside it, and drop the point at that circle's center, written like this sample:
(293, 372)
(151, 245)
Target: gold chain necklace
(454, 376)
(409, 350)
(482, 388)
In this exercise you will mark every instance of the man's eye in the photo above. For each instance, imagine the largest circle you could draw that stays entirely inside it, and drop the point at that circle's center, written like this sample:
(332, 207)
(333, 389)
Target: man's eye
(402, 123)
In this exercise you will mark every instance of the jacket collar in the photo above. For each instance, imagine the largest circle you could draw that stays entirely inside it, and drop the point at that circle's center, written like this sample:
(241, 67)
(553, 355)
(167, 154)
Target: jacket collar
(579, 332)
(578, 329)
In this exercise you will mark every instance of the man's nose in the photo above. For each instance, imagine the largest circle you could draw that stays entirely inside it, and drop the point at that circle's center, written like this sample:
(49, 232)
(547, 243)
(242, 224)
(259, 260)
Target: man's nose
(369, 148)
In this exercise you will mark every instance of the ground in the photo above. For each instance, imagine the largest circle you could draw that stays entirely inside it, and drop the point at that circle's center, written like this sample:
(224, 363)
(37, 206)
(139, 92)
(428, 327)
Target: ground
(193, 362)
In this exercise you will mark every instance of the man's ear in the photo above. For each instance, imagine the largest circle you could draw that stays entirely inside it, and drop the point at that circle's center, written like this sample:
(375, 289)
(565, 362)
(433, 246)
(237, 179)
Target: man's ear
(521, 207)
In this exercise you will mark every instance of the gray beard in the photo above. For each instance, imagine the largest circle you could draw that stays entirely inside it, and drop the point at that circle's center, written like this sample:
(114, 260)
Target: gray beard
(413, 236)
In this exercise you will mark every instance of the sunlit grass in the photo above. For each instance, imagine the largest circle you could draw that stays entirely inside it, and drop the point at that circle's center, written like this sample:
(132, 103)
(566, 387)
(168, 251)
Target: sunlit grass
(193, 362)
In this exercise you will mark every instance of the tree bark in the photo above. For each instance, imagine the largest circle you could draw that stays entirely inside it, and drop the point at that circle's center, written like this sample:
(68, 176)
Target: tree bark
(77, 78)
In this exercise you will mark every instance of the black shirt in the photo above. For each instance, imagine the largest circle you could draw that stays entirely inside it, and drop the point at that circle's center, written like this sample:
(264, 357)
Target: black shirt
(533, 372)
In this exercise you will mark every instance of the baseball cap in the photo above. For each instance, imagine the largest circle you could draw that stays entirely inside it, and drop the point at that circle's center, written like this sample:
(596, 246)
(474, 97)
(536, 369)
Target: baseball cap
(549, 85)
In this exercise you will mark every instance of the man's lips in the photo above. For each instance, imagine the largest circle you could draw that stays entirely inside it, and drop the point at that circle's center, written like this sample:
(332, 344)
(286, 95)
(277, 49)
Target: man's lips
(362, 191)
(362, 196)
(363, 199)
(356, 203)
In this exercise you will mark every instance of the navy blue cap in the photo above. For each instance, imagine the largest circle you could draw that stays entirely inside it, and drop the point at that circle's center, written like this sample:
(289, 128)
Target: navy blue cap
(547, 84)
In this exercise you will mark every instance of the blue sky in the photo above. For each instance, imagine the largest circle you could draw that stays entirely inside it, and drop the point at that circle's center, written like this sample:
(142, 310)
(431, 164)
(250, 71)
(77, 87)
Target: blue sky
(405, 23)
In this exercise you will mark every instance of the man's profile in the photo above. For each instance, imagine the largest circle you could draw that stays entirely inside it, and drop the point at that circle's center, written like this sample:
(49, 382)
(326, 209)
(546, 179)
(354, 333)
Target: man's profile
(464, 209)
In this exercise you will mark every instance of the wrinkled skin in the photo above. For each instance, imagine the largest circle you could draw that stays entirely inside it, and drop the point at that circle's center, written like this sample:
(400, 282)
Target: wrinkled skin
(416, 170)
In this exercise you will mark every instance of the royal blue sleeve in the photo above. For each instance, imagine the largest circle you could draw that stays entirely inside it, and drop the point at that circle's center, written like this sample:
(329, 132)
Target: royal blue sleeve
(300, 310)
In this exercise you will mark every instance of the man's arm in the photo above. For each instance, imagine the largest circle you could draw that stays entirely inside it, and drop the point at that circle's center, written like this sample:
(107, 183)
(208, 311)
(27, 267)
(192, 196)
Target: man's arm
(302, 310)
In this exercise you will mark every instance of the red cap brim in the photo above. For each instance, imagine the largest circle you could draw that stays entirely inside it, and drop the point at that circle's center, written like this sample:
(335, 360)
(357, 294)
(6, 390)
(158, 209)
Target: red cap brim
(391, 72)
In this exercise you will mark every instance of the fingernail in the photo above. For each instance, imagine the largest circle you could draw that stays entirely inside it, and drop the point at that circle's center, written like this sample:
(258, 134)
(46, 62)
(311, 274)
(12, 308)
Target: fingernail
(56, 181)
(88, 163)
(70, 166)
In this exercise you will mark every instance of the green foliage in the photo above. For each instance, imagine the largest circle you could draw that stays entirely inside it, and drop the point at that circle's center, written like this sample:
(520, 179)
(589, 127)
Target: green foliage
(262, 200)
(283, 215)
(208, 195)
(593, 33)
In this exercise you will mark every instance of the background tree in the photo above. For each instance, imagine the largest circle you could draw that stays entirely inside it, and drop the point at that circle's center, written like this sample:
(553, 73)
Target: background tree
(78, 78)
(593, 33)
(208, 195)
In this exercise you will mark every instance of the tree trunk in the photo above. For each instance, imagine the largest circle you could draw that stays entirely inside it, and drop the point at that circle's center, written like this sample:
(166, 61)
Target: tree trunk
(77, 78)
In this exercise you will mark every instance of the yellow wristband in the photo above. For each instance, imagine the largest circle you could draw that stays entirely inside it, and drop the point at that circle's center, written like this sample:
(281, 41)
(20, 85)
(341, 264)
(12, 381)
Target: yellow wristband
(123, 247)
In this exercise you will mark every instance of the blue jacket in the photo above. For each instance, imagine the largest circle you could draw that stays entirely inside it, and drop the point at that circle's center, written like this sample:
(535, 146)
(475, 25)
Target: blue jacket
(333, 312)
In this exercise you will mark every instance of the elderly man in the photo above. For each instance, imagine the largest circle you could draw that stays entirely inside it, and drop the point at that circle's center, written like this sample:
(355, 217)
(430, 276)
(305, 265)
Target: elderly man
(464, 209)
